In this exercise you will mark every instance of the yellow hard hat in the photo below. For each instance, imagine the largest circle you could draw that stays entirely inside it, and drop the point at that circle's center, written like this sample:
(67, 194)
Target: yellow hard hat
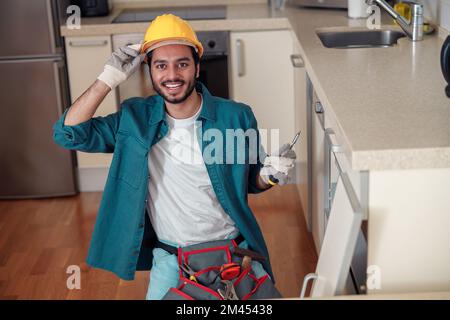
(170, 29)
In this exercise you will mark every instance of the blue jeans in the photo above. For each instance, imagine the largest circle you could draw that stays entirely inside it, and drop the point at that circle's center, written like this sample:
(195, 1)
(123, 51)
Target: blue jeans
(165, 273)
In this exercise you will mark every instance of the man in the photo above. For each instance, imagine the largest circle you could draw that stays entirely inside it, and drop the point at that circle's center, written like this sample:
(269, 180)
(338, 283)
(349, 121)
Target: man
(155, 195)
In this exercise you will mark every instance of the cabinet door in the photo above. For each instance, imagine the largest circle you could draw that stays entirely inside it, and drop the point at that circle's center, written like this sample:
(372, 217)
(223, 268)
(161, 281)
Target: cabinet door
(262, 76)
(339, 241)
(318, 174)
(300, 111)
(86, 57)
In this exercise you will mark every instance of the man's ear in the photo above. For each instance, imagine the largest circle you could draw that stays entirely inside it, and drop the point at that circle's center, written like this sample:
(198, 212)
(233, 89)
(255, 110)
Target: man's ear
(197, 68)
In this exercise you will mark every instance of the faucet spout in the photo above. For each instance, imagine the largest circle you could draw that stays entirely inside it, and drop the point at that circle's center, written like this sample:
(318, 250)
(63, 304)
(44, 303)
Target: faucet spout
(414, 27)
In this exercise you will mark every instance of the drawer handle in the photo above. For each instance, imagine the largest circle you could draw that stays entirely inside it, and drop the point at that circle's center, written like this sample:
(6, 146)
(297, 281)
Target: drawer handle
(88, 43)
(297, 61)
(240, 57)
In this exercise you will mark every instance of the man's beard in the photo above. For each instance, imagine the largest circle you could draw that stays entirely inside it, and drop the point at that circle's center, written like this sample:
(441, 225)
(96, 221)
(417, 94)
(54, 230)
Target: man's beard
(168, 98)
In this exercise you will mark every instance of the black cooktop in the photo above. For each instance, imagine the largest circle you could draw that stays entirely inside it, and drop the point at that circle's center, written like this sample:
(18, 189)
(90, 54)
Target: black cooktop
(186, 13)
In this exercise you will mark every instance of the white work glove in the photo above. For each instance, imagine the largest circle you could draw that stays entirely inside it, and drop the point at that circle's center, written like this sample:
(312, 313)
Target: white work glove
(122, 64)
(279, 166)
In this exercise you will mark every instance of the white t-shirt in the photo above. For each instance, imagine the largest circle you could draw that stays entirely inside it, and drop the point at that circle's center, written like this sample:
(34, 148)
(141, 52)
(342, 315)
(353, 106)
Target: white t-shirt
(182, 206)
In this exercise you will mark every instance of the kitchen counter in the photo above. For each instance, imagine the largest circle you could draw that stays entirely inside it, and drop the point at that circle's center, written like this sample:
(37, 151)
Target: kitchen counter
(389, 103)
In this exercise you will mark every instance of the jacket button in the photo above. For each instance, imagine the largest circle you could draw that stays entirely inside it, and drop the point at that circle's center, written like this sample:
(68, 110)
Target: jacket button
(136, 252)
(141, 225)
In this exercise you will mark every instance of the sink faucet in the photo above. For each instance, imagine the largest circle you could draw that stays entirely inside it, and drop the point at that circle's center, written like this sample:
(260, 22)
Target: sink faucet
(413, 28)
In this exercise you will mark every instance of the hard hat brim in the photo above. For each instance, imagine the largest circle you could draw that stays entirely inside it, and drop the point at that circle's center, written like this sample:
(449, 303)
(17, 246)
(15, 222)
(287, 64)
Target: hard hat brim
(152, 45)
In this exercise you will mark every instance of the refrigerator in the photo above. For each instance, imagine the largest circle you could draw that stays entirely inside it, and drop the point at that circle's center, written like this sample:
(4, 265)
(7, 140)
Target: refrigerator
(33, 95)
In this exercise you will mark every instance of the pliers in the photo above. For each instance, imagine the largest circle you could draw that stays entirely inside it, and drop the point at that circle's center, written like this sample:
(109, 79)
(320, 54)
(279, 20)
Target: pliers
(230, 292)
(188, 270)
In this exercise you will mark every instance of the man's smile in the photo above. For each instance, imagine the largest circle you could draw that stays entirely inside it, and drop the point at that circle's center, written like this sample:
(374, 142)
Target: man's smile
(173, 87)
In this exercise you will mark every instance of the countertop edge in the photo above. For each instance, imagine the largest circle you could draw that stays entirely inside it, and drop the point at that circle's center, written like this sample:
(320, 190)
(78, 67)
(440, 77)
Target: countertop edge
(403, 159)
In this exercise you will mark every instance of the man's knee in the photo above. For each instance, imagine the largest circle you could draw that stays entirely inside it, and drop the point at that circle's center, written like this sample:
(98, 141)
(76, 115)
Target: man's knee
(164, 274)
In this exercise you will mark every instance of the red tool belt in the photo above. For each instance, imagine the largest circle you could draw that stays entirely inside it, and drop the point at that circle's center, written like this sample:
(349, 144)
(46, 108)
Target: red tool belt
(215, 271)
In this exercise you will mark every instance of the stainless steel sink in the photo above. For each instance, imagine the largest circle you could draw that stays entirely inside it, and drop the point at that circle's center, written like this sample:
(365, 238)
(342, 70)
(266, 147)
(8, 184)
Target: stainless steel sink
(359, 39)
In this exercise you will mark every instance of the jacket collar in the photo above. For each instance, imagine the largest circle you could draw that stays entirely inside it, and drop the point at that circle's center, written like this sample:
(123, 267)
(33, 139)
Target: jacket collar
(208, 111)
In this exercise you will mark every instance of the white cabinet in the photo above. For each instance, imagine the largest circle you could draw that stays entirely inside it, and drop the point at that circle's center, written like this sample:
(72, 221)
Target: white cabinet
(262, 76)
(86, 57)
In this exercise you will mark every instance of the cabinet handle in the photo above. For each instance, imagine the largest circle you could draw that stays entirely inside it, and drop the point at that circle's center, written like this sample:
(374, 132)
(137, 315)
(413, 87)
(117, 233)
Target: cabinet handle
(297, 61)
(306, 279)
(88, 43)
(318, 108)
(240, 57)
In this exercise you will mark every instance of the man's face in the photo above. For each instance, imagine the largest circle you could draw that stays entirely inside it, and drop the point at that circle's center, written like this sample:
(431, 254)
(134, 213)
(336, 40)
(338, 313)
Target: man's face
(173, 72)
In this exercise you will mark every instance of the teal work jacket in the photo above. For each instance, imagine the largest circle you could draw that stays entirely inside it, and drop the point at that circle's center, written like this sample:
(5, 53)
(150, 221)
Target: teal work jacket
(123, 236)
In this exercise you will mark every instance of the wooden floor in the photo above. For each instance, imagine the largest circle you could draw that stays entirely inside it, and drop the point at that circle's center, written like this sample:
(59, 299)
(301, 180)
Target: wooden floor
(39, 239)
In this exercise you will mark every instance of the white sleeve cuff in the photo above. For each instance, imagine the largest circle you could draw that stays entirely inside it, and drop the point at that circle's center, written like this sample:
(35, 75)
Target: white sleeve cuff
(112, 77)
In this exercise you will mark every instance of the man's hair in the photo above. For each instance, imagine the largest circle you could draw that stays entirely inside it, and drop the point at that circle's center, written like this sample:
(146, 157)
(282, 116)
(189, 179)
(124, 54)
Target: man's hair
(194, 56)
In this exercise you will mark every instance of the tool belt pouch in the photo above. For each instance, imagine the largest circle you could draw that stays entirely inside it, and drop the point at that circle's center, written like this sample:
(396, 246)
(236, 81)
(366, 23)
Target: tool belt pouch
(206, 260)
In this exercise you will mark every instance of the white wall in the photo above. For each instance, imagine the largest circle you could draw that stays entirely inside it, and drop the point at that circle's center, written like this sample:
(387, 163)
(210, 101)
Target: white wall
(438, 11)
(445, 14)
